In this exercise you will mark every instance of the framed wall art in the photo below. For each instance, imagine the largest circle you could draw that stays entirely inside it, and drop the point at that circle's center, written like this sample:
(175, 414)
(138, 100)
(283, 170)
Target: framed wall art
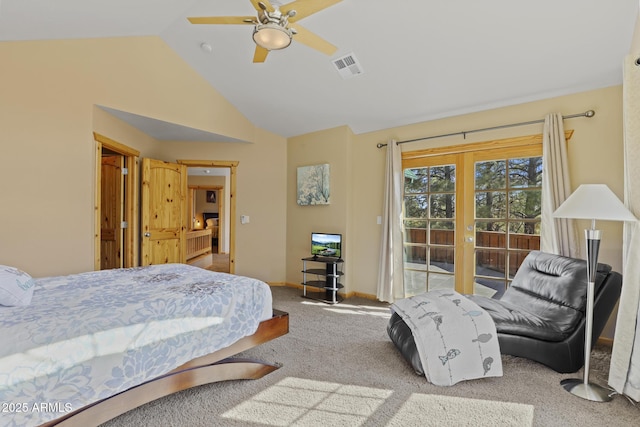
(313, 185)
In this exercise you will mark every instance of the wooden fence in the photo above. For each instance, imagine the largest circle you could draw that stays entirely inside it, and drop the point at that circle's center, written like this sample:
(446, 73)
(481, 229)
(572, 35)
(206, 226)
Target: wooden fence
(488, 248)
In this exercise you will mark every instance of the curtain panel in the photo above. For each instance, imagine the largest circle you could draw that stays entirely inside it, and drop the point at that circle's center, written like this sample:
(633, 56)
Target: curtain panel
(624, 371)
(391, 268)
(558, 235)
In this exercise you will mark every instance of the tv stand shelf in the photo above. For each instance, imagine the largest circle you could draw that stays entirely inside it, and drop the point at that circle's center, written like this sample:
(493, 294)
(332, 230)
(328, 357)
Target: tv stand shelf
(327, 285)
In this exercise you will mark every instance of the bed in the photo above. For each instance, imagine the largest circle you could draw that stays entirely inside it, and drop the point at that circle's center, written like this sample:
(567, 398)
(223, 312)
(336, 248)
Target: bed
(211, 222)
(91, 346)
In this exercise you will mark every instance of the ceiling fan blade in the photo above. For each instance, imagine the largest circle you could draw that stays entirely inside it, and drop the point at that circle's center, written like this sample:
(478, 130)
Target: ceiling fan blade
(223, 20)
(308, 38)
(256, 5)
(260, 54)
(305, 8)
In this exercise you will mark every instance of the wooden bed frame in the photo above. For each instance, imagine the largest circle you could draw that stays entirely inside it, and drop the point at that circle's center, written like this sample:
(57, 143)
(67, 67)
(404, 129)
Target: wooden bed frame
(214, 367)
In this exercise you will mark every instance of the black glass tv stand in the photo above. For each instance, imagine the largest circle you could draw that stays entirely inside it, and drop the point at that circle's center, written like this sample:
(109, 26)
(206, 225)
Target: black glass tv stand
(326, 285)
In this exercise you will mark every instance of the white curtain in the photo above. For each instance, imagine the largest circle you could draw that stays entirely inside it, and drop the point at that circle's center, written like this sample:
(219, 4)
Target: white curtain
(624, 372)
(557, 235)
(390, 270)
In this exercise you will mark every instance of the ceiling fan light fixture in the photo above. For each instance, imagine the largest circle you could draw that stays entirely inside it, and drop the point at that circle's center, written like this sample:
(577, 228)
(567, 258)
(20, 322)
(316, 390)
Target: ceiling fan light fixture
(272, 36)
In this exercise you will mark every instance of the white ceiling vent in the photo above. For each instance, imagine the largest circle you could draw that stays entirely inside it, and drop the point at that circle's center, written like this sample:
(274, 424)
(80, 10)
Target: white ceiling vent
(348, 66)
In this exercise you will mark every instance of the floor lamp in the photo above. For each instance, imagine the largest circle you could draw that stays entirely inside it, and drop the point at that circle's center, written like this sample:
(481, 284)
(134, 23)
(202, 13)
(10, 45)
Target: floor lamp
(594, 202)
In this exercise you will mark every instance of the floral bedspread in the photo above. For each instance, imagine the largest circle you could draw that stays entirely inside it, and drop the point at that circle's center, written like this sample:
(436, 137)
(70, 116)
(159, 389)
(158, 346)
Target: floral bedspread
(88, 336)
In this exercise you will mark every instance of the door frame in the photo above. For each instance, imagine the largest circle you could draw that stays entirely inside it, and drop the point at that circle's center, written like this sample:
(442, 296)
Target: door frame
(131, 157)
(232, 165)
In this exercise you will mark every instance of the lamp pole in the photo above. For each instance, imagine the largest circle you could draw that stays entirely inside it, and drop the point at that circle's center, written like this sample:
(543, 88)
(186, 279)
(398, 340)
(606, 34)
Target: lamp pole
(582, 388)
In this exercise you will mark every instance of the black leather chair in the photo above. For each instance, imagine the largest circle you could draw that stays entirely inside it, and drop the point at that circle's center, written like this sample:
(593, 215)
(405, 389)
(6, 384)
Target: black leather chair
(541, 316)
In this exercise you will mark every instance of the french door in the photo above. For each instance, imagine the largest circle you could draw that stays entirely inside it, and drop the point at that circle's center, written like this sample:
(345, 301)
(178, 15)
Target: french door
(470, 217)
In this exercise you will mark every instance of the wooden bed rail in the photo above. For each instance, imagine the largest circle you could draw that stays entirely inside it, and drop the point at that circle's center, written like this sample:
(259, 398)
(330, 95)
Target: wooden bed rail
(214, 367)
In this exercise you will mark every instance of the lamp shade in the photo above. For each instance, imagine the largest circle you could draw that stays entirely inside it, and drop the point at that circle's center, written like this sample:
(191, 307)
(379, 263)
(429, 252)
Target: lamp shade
(594, 201)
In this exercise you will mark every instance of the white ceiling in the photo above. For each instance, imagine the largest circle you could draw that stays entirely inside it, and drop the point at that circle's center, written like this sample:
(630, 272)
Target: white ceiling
(422, 59)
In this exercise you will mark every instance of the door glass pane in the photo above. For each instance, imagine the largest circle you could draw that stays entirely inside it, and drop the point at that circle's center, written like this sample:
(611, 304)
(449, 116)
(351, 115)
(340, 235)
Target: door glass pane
(440, 281)
(526, 227)
(515, 261)
(416, 180)
(525, 172)
(442, 259)
(415, 269)
(526, 237)
(443, 178)
(442, 236)
(415, 282)
(524, 204)
(491, 204)
(443, 206)
(415, 257)
(416, 206)
(415, 231)
(491, 234)
(490, 175)
(490, 263)
(443, 225)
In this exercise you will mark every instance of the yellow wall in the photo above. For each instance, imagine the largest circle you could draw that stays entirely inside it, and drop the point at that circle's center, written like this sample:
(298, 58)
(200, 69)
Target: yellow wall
(260, 194)
(595, 156)
(332, 146)
(47, 119)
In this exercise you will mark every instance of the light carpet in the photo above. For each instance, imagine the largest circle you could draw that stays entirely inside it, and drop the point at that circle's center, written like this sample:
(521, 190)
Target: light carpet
(302, 402)
(340, 368)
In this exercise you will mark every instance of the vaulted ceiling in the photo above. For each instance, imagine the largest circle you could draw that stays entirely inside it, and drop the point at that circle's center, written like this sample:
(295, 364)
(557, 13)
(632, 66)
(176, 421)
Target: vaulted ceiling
(418, 59)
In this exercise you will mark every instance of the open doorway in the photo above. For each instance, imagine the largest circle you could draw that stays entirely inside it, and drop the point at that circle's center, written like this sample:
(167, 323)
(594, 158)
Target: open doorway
(207, 240)
(116, 193)
(212, 200)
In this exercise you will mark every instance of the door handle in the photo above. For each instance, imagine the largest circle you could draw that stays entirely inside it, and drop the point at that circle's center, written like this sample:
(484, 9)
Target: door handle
(147, 234)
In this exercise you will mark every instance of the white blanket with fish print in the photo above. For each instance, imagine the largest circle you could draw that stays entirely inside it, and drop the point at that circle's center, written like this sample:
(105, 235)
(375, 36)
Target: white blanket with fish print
(456, 339)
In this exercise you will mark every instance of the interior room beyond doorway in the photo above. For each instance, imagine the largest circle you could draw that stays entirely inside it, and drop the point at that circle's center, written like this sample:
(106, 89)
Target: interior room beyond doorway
(208, 239)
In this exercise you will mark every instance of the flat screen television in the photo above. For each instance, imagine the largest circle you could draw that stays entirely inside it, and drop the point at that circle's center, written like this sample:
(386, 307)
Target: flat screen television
(326, 245)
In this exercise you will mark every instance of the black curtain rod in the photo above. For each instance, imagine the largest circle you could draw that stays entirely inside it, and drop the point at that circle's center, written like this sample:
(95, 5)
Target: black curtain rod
(589, 113)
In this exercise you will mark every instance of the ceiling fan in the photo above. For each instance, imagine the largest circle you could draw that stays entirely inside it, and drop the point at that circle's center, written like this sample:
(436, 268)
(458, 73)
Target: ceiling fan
(274, 27)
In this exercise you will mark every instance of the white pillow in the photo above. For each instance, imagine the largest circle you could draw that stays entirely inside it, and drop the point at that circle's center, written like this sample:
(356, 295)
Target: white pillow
(16, 287)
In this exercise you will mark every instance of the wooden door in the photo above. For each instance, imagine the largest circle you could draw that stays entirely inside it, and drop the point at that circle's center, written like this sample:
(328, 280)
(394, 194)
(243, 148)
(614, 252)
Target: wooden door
(163, 212)
(111, 242)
